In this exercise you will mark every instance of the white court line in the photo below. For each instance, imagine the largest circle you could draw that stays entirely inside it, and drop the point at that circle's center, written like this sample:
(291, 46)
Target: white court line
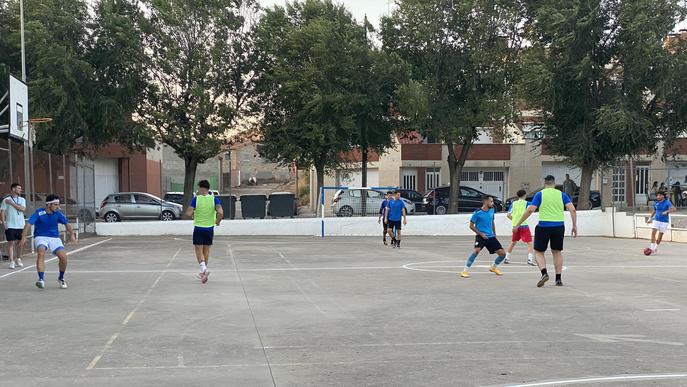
(603, 379)
(54, 258)
(128, 317)
(661, 310)
(429, 344)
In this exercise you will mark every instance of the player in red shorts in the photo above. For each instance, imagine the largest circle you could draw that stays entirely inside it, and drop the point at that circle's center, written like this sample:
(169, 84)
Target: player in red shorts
(523, 232)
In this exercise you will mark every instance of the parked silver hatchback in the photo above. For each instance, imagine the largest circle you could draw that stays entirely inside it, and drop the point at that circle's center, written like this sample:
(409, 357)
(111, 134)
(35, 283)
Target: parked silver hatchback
(137, 205)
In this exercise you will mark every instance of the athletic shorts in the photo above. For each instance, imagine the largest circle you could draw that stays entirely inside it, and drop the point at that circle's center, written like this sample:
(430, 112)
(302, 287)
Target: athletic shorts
(49, 244)
(492, 244)
(394, 224)
(13, 234)
(203, 236)
(522, 234)
(545, 236)
(662, 227)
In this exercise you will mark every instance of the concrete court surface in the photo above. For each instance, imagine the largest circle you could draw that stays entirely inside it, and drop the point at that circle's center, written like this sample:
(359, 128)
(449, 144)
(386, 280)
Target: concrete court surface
(300, 311)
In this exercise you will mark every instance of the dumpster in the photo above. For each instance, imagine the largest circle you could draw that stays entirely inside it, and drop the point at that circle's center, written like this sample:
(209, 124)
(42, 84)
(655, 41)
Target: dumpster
(253, 206)
(228, 205)
(282, 204)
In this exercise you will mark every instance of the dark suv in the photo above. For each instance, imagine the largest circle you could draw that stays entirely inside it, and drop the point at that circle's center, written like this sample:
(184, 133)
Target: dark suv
(414, 197)
(470, 199)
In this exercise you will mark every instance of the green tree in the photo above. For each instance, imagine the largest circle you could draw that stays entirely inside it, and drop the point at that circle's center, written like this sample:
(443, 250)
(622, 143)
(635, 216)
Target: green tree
(310, 54)
(464, 56)
(601, 75)
(200, 76)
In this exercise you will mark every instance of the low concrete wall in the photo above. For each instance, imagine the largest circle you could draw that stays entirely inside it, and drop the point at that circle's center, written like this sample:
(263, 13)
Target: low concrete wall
(590, 223)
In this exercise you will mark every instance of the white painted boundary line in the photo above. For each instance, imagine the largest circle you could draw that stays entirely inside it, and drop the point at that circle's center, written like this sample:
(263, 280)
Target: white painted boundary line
(603, 379)
(129, 316)
(54, 258)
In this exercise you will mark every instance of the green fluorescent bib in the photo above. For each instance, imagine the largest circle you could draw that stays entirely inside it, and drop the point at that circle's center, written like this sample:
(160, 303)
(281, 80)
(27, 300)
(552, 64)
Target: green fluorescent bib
(551, 209)
(519, 207)
(205, 213)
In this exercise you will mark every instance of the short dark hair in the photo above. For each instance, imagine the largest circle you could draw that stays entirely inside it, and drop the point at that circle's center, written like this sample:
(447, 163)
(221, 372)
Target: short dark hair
(15, 185)
(398, 191)
(204, 184)
(389, 192)
(485, 198)
(661, 193)
(550, 179)
(51, 198)
(521, 193)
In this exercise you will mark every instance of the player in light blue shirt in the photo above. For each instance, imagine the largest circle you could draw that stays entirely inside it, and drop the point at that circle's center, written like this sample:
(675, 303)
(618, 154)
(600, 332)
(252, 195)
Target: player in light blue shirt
(660, 219)
(482, 224)
(12, 217)
(46, 236)
(395, 210)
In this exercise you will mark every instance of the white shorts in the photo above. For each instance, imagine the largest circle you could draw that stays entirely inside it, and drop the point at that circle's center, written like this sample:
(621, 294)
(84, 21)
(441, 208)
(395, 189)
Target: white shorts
(660, 226)
(50, 244)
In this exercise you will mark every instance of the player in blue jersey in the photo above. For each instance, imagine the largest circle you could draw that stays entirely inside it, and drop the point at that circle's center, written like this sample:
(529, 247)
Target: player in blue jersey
(382, 215)
(660, 219)
(46, 236)
(482, 224)
(395, 211)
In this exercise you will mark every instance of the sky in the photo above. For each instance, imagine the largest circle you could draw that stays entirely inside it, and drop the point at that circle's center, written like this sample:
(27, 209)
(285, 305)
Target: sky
(374, 9)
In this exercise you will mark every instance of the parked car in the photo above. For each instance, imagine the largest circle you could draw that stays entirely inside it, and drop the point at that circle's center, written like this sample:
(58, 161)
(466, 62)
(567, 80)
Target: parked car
(69, 207)
(470, 199)
(137, 205)
(594, 197)
(178, 197)
(349, 202)
(414, 197)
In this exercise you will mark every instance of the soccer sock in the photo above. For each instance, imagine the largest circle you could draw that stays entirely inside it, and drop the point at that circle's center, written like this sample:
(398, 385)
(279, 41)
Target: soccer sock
(470, 261)
(543, 271)
(499, 259)
(558, 277)
(41, 275)
(61, 278)
(653, 246)
(398, 242)
(530, 257)
(507, 256)
(203, 267)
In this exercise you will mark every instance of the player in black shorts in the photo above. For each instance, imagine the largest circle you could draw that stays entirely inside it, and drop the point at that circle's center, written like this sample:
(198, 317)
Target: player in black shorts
(382, 215)
(482, 224)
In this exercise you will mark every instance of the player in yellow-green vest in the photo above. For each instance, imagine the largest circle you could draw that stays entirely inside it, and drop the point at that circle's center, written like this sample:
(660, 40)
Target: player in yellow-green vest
(207, 213)
(552, 204)
(522, 233)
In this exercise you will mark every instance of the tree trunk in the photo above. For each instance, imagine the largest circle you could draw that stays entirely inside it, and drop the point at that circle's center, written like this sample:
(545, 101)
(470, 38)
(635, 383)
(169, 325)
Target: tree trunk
(190, 166)
(319, 170)
(583, 202)
(455, 169)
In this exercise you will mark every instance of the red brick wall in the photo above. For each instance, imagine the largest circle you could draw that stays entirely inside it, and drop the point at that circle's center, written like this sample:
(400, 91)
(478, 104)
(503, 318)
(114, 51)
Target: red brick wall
(421, 151)
(356, 156)
(153, 174)
(679, 147)
(421, 180)
(124, 175)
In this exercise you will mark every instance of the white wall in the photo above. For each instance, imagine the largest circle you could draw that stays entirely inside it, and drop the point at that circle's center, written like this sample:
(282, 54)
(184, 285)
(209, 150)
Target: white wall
(590, 223)
(106, 178)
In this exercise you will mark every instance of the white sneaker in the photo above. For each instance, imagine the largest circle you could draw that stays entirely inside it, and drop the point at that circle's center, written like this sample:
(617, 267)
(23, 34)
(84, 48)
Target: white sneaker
(530, 262)
(506, 261)
(11, 265)
(654, 251)
(19, 264)
(40, 284)
(63, 284)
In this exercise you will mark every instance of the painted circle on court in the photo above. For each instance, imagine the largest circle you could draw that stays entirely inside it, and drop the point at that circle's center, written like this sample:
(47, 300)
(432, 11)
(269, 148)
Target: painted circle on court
(455, 267)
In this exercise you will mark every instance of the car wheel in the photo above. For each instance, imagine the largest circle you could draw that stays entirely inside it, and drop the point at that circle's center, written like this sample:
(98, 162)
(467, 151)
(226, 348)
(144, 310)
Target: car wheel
(346, 211)
(440, 210)
(167, 216)
(112, 217)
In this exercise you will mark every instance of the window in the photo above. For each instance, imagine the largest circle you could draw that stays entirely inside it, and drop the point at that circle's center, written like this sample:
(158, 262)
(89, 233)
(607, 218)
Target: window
(432, 179)
(374, 194)
(468, 193)
(492, 176)
(409, 181)
(642, 180)
(618, 184)
(122, 199)
(469, 176)
(354, 193)
(144, 199)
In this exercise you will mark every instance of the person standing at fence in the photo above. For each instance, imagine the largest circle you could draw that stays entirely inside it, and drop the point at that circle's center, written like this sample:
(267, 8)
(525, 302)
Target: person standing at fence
(552, 204)
(382, 215)
(523, 232)
(12, 216)
(207, 213)
(660, 220)
(396, 210)
(482, 224)
(46, 236)
(569, 186)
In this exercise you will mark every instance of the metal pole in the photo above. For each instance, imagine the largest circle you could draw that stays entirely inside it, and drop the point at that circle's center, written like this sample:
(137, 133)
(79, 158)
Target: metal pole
(50, 172)
(221, 176)
(231, 202)
(9, 151)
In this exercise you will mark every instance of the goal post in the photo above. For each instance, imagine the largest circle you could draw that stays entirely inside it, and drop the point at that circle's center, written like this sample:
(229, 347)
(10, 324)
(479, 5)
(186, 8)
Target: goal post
(345, 201)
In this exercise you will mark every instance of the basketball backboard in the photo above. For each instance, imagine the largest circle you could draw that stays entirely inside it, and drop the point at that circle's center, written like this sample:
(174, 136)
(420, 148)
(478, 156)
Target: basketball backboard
(19, 109)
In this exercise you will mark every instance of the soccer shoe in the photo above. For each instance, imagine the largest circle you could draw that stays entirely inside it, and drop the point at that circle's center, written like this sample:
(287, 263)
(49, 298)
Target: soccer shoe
(19, 264)
(530, 262)
(11, 265)
(465, 274)
(506, 261)
(495, 270)
(654, 251)
(559, 283)
(542, 280)
(385, 242)
(204, 277)
(40, 284)
(63, 284)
